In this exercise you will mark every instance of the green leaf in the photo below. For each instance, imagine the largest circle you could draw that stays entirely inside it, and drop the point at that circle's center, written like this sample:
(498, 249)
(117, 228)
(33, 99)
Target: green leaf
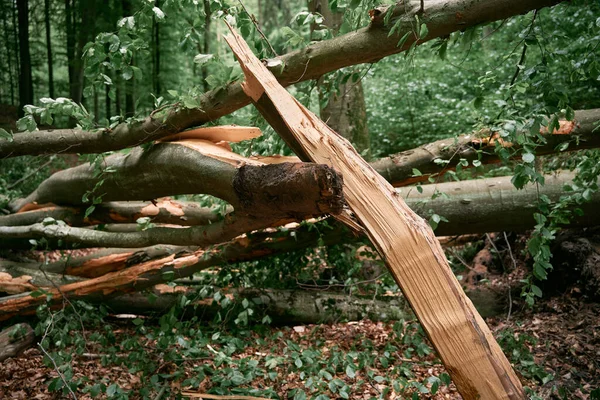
(201, 59)
(443, 49)
(112, 390)
(536, 290)
(127, 73)
(191, 102)
(158, 12)
(350, 372)
(6, 135)
(89, 210)
(423, 31)
(528, 158)
(570, 114)
(299, 395)
(137, 72)
(403, 39)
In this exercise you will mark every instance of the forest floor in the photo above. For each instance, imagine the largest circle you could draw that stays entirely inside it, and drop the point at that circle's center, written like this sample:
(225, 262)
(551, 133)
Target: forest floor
(562, 335)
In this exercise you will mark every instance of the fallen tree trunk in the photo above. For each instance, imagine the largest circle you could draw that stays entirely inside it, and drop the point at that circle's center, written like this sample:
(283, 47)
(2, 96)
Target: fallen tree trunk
(494, 204)
(292, 307)
(14, 340)
(475, 206)
(165, 211)
(405, 242)
(366, 45)
(176, 168)
(69, 186)
(177, 265)
(397, 169)
(262, 195)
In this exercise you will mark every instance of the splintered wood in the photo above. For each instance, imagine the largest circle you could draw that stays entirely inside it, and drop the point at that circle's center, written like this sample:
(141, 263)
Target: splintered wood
(407, 244)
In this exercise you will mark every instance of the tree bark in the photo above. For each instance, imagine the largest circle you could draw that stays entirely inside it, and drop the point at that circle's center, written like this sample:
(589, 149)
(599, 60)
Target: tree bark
(25, 76)
(156, 54)
(345, 111)
(49, 49)
(262, 196)
(206, 45)
(14, 340)
(160, 212)
(475, 206)
(159, 270)
(5, 17)
(294, 307)
(405, 242)
(398, 168)
(363, 46)
(70, 28)
(130, 83)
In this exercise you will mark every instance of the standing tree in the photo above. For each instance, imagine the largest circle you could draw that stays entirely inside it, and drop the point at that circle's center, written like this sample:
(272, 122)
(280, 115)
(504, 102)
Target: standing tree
(25, 74)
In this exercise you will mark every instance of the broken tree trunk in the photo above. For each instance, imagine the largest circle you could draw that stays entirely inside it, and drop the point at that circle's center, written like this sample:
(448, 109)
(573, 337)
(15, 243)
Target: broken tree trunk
(168, 264)
(165, 211)
(578, 134)
(406, 243)
(366, 45)
(475, 206)
(14, 340)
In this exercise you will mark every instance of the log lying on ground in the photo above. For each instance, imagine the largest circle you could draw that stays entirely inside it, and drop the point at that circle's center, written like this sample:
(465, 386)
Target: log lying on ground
(397, 169)
(287, 307)
(181, 264)
(18, 278)
(262, 195)
(283, 306)
(494, 204)
(406, 243)
(475, 206)
(578, 134)
(176, 168)
(165, 211)
(14, 340)
(366, 45)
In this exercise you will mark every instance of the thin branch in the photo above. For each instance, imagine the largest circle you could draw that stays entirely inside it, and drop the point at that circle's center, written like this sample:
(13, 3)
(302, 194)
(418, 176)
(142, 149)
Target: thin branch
(255, 22)
(507, 281)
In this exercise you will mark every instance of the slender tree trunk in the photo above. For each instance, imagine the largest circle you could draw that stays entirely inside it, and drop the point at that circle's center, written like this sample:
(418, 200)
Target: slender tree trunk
(15, 37)
(49, 48)
(25, 76)
(156, 54)
(206, 46)
(118, 105)
(129, 84)
(107, 104)
(70, 45)
(130, 95)
(5, 16)
(96, 105)
(345, 111)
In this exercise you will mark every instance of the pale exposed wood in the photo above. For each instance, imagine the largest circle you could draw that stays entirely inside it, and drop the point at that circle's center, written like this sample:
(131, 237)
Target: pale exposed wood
(217, 151)
(216, 134)
(13, 285)
(276, 159)
(464, 342)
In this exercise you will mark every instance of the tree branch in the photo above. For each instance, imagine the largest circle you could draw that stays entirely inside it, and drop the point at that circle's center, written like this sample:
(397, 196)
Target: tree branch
(366, 45)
